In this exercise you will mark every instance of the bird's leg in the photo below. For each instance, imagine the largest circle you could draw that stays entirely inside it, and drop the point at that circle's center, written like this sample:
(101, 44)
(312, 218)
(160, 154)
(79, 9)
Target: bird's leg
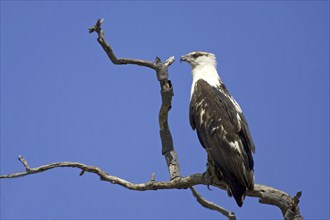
(213, 175)
(208, 174)
(210, 170)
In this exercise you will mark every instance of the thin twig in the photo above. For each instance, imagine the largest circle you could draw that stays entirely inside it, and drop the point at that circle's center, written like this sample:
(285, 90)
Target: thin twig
(108, 49)
(169, 61)
(210, 205)
(25, 163)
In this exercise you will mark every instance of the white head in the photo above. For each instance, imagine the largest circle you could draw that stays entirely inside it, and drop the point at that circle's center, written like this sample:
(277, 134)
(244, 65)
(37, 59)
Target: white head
(199, 59)
(203, 67)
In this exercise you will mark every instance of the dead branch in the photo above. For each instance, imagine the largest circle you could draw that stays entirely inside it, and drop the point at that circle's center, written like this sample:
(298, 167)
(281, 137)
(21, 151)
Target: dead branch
(266, 194)
(166, 93)
(210, 205)
(107, 48)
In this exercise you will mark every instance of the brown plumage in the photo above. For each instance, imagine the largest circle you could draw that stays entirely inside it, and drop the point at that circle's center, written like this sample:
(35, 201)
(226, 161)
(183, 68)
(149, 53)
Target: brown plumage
(221, 126)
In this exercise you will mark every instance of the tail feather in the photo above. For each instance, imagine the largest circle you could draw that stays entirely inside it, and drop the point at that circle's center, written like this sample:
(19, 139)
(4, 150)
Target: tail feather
(238, 191)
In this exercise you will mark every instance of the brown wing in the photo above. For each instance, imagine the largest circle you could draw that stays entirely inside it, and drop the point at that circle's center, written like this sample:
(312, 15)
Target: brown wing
(224, 132)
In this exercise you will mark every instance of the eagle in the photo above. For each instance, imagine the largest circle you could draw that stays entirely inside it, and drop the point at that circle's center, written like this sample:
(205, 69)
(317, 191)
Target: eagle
(221, 126)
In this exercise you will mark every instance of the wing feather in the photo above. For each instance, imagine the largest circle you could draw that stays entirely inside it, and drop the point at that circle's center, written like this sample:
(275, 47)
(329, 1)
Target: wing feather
(223, 130)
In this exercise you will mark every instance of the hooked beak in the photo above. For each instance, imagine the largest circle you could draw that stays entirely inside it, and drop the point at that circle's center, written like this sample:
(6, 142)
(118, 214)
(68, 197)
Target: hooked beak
(183, 58)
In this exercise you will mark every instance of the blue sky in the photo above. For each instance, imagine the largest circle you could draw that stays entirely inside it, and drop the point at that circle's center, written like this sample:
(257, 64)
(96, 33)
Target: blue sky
(63, 100)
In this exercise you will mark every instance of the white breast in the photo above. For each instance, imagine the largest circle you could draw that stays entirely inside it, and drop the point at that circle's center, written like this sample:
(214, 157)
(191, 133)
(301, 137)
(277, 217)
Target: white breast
(207, 73)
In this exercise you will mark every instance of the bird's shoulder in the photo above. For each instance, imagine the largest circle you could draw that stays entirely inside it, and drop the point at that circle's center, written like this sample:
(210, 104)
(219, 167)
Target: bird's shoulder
(212, 104)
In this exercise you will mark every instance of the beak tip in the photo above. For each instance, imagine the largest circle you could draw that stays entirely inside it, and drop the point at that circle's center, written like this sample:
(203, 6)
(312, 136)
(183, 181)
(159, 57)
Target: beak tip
(182, 59)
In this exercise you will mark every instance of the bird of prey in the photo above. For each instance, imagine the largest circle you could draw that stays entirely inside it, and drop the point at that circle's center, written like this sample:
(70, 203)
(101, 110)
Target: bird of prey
(221, 126)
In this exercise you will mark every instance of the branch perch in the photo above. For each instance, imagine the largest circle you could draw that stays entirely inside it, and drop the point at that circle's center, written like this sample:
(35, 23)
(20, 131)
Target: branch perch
(266, 194)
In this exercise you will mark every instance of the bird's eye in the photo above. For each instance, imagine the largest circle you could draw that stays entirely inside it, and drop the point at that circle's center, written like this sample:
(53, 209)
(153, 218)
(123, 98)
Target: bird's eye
(195, 55)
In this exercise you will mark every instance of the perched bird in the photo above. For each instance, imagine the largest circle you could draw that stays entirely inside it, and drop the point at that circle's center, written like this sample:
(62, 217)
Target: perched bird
(221, 126)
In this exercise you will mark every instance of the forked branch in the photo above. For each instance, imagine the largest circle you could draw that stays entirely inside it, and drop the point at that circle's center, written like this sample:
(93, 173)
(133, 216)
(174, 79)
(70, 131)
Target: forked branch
(166, 93)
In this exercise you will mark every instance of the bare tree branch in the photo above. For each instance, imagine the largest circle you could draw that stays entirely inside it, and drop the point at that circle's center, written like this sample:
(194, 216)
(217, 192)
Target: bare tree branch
(24, 162)
(210, 205)
(107, 48)
(266, 194)
(166, 93)
(177, 183)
